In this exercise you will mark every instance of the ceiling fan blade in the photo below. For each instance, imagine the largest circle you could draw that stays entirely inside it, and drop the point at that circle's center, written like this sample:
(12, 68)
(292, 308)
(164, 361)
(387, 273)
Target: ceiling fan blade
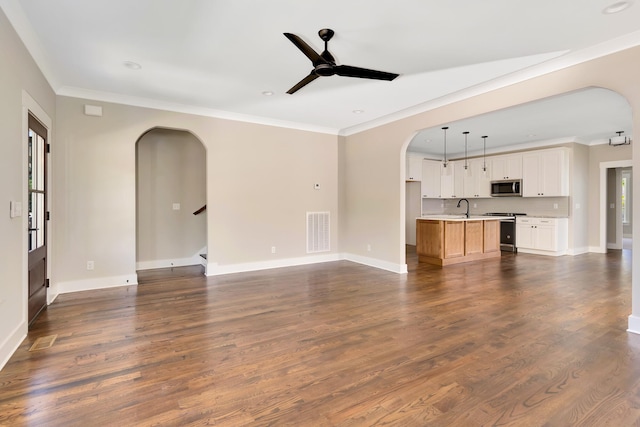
(305, 48)
(363, 73)
(302, 83)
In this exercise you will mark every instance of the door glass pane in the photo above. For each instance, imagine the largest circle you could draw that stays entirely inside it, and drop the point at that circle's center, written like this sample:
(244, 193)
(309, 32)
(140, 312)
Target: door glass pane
(30, 149)
(37, 204)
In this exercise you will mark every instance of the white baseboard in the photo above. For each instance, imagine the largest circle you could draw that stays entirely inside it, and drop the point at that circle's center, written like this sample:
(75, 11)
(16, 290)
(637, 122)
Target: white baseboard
(377, 263)
(578, 251)
(538, 252)
(12, 342)
(597, 250)
(101, 283)
(634, 324)
(166, 263)
(213, 269)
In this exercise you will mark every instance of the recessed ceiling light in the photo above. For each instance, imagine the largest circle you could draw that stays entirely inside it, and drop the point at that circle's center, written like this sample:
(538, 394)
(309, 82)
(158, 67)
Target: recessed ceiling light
(132, 65)
(617, 7)
(358, 111)
(267, 93)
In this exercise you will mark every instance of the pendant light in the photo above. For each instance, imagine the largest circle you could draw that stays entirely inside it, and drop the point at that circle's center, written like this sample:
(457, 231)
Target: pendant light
(444, 162)
(466, 164)
(484, 154)
(619, 140)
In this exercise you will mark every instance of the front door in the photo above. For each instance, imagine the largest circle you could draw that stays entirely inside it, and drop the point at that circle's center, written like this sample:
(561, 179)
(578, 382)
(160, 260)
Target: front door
(37, 170)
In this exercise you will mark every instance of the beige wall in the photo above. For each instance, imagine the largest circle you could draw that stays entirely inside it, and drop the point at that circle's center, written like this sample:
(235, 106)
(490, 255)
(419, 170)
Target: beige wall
(171, 168)
(579, 229)
(260, 184)
(18, 73)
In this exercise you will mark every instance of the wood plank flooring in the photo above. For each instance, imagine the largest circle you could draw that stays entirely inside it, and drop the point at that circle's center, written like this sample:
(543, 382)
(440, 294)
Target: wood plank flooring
(523, 340)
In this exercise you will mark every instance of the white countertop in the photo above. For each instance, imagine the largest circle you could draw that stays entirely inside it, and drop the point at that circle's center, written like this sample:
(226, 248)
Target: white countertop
(444, 217)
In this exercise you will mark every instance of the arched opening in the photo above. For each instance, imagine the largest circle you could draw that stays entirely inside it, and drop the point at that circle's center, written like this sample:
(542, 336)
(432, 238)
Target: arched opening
(582, 120)
(171, 188)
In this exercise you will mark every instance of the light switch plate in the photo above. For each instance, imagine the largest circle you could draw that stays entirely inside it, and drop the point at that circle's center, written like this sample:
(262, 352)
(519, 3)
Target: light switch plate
(176, 206)
(15, 209)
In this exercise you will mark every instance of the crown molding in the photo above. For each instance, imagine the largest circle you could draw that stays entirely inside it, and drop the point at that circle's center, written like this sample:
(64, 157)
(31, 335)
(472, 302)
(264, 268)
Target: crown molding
(567, 60)
(154, 104)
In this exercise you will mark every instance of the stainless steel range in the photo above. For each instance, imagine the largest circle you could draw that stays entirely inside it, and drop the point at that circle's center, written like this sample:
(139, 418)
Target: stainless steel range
(507, 230)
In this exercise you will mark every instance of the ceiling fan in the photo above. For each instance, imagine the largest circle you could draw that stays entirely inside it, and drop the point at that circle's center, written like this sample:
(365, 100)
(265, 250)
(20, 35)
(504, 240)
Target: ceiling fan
(324, 64)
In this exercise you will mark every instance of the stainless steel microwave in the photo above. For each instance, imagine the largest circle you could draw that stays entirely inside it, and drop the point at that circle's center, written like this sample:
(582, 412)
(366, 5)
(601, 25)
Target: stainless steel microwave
(506, 188)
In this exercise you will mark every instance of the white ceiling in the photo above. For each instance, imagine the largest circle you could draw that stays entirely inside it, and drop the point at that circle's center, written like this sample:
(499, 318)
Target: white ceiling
(217, 57)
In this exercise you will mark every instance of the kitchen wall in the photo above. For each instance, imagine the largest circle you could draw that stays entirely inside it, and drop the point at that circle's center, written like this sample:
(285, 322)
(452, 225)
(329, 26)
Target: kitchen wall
(541, 206)
(627, 228)
(171, 168)
(413, 210)
(22, 87)
(578, 239)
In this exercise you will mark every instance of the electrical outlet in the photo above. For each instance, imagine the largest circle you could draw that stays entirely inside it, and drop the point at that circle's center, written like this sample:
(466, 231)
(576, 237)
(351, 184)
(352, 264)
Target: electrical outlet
(555, 206)
(176, 206)
(368, 248)
(475, 205)
(90, 265)
(273, 249)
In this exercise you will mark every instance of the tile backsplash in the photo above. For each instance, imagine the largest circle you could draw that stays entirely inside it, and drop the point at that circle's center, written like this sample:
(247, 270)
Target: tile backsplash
(540, 206)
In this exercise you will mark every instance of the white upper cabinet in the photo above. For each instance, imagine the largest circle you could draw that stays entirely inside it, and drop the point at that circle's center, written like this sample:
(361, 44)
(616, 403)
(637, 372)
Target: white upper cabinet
(508, 166)
(414, 168)
(430, 185)
(476, 180)
(545, 173)
(452, 180)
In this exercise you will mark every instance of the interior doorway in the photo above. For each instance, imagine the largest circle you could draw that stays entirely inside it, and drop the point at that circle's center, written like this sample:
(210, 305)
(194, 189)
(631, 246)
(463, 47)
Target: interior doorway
(611, 221)
(170, 190)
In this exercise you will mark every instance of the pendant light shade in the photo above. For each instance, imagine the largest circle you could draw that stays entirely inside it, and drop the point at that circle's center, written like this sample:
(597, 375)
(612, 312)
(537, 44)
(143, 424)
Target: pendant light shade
(466, 163)
(444, 162)
(484, 154)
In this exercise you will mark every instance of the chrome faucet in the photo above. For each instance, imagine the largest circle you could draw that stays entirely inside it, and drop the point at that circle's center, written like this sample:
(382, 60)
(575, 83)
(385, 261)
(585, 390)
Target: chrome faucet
(460, 201)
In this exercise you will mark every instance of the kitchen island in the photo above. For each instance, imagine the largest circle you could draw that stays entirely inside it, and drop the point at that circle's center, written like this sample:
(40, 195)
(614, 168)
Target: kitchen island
(452, 239)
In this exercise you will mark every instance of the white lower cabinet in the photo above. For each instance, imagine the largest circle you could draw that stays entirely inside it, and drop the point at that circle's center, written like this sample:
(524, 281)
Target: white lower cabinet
(542, 236)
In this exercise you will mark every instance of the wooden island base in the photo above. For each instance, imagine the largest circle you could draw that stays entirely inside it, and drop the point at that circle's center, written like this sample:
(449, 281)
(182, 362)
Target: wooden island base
(445, 242)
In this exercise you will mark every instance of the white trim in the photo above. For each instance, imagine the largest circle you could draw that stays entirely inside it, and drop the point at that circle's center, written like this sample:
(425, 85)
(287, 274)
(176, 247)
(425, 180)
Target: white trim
(597, 250)
(101, 283)
(565, 61)
(634, 324)
(602, 244)
(167, 263)
(539, 252)
(12, 342)
(155, 104)
(213, 269)
(377, 263)
(578, 251)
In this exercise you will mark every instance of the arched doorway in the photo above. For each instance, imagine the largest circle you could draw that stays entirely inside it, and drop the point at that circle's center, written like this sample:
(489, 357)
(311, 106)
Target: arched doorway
(170, 188)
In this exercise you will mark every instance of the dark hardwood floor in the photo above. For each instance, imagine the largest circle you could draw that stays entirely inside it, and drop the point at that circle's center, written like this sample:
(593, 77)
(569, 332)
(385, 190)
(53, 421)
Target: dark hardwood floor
(523, 340)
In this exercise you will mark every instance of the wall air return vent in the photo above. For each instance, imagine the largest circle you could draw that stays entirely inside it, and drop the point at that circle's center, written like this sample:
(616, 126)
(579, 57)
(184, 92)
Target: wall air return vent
(318, 232)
